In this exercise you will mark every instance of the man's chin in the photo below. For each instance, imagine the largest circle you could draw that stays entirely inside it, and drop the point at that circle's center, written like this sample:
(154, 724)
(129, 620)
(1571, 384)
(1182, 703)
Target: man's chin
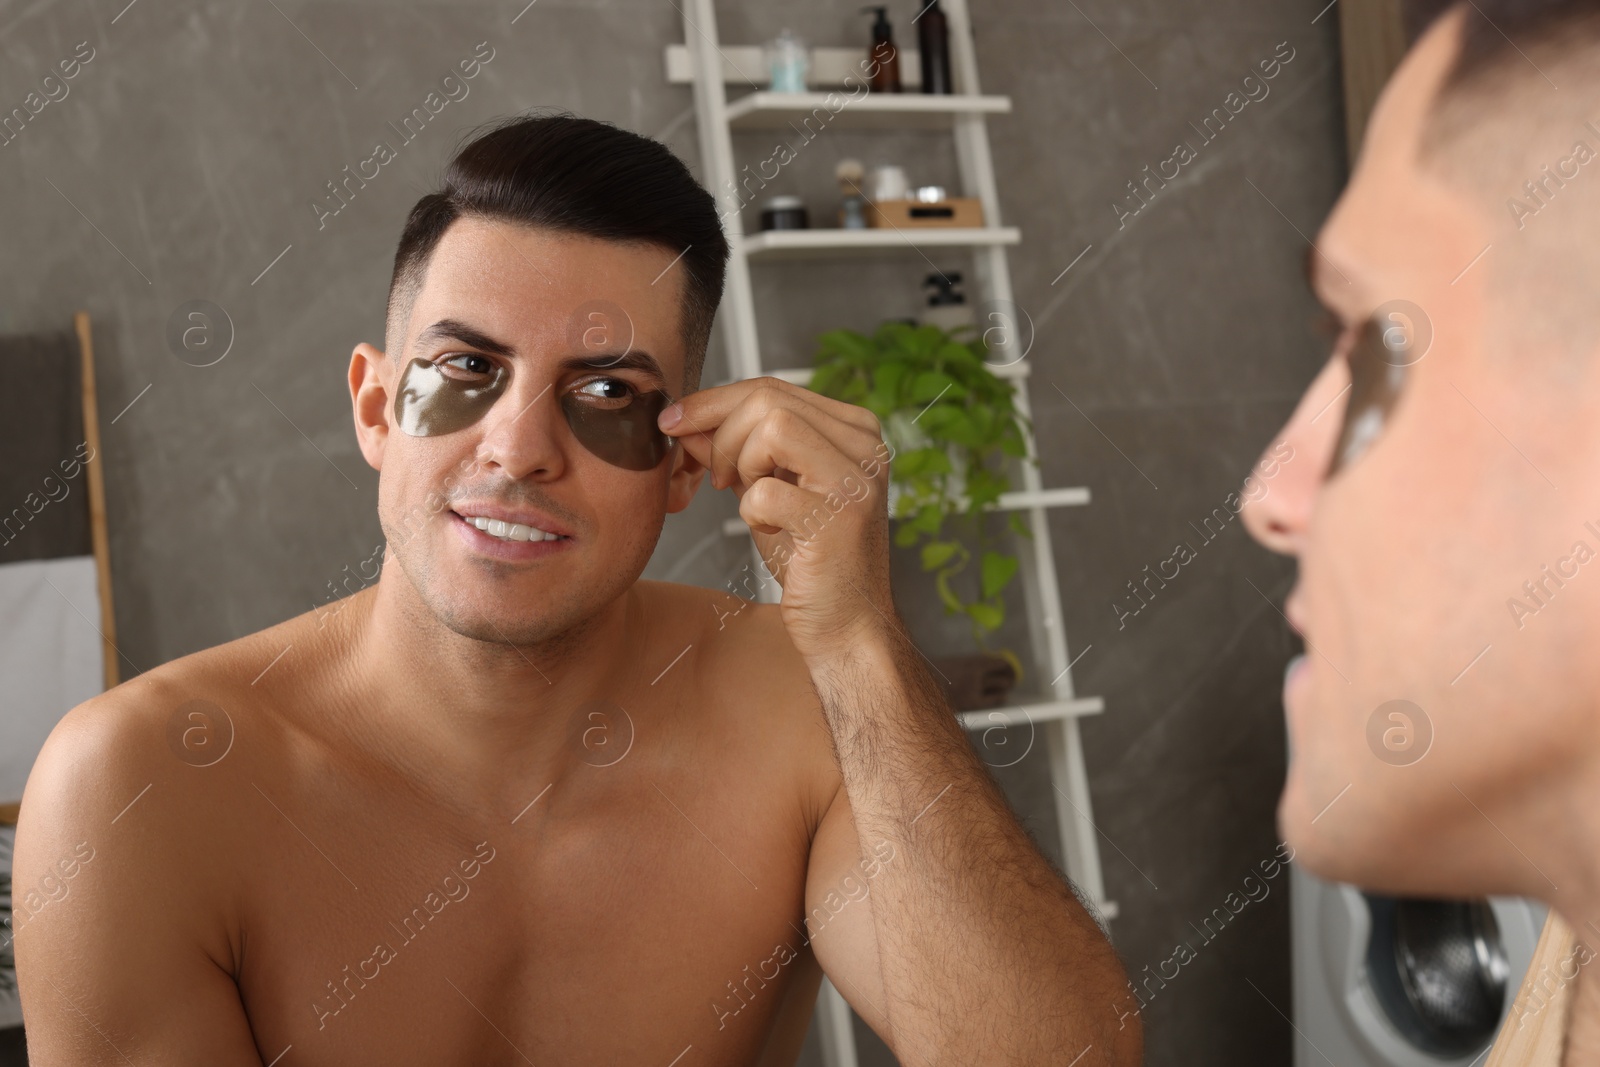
(1339, 837)
(1304, 823)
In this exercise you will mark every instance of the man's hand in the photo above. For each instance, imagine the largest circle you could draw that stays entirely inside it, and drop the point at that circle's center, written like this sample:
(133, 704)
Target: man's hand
(812, 478)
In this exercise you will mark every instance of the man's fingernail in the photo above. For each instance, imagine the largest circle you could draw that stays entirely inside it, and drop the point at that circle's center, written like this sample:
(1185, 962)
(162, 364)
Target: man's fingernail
(670, 416)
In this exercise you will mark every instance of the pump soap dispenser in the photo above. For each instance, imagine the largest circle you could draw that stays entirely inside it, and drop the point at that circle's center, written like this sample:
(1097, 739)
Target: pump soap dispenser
(933, 38)
(886, 78)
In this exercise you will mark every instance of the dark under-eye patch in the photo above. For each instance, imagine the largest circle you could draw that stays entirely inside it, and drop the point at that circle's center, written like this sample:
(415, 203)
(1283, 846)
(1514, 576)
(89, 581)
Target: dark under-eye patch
(626, 437)
(429, 403)
(1377, 374)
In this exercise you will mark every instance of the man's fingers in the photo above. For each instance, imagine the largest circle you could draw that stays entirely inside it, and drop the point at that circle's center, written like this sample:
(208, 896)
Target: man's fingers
(771, 505)
(786, 439)
(709, 408)
(758, 407)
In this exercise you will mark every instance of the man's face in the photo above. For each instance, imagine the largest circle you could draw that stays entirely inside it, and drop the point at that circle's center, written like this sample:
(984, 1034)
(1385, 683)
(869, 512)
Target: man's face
(569, 320)
(1411, 553)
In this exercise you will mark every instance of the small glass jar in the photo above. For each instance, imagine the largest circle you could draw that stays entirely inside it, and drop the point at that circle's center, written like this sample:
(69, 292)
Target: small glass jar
(788, 61)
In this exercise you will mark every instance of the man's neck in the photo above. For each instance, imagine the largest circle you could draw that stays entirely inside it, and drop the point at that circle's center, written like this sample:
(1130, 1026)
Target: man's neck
(477, 710)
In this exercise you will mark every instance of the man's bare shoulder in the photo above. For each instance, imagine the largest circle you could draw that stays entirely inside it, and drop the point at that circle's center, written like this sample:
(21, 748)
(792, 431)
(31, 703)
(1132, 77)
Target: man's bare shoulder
(182, 714)
(752, 674)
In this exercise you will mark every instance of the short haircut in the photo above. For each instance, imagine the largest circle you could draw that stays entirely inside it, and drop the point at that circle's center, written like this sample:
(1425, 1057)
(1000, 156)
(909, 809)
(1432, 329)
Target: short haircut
(1511, 126)
(573, 175)
(1507, 48)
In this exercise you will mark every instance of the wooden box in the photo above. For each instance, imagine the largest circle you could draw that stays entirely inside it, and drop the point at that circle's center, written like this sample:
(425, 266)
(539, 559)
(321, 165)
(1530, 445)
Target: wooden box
(962, 211)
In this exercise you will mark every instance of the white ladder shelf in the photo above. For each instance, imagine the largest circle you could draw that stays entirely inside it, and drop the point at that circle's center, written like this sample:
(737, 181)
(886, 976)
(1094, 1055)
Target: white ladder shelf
(707, 64)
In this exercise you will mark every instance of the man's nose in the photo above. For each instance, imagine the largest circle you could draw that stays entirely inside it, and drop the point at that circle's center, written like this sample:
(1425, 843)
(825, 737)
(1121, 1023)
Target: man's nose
(526, 433)
(1278, 505)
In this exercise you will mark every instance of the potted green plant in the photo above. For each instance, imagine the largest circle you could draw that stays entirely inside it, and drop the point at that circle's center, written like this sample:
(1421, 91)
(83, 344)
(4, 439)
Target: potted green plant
(952, 424)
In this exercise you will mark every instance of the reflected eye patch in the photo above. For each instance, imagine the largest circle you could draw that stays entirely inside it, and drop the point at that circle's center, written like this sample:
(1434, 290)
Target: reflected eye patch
(1377, 373)
(620, 431)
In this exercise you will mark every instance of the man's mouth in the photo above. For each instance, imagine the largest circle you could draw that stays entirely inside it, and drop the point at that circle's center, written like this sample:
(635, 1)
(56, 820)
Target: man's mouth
(509, 531)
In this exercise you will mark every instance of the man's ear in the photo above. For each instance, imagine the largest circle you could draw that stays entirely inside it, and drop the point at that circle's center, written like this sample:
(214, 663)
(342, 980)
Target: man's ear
(684, 480)
(369, 399)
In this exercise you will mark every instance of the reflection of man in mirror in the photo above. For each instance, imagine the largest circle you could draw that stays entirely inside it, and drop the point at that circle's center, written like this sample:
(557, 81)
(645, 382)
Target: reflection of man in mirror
(1447, 506)
(513, 804)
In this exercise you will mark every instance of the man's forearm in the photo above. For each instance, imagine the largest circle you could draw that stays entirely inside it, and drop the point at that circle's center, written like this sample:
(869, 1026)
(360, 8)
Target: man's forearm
(987, 956)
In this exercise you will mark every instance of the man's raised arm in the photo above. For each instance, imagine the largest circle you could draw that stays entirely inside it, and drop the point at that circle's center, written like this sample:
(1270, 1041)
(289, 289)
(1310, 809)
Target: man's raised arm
(986, 954)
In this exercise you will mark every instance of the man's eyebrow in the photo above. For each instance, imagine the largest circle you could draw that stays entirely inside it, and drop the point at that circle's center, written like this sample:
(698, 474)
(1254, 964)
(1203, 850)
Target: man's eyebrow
(472, 337)
(632, 359)
(467, 335)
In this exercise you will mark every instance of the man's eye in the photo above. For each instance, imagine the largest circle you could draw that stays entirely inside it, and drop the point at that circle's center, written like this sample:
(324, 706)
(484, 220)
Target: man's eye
(1378, 360)
(468, 365)
(614, 390)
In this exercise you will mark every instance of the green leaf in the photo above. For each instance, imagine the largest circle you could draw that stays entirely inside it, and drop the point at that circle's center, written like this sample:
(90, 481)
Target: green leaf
(961, 355)
(936, 420)
(913, 462)
(936, 554)
(935, 384)
(888, 383)
(1019, 525)
(848, 345)
(938, 462)
(998, 569)
(988, 616)
(905, 536)
(958, 427)
(952, 603)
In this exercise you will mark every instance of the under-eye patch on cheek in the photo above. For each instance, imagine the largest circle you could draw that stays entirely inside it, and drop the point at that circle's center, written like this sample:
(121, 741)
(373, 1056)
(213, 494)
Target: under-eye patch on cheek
(625, 436)
(620, 430)
(1377, 374)
(428, 403)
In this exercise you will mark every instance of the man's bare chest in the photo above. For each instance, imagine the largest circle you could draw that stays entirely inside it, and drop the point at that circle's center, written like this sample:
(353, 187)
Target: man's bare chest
(608, 920)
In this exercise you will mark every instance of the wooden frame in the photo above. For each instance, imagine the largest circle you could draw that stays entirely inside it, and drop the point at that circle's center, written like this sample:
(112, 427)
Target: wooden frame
(98, 533)
(97, 500)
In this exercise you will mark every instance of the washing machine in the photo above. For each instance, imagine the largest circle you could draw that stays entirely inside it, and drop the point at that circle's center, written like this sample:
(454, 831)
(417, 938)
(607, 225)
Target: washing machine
(1387, 982)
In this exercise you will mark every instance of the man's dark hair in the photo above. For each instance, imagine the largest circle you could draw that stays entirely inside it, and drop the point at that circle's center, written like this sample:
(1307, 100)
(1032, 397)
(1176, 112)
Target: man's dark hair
(1511, 126)
(1501, 27)
(578, 176)
(1505, 45)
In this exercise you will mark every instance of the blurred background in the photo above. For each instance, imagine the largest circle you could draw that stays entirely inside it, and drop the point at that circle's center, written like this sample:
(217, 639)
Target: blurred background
(1171, 334)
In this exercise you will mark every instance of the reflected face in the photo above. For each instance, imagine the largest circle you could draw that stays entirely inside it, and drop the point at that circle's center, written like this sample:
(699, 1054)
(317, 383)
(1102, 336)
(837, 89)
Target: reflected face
(1421, 498)
(526, 482)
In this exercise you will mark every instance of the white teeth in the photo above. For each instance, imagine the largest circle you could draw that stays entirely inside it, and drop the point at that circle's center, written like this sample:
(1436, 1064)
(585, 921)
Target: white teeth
(509, 531)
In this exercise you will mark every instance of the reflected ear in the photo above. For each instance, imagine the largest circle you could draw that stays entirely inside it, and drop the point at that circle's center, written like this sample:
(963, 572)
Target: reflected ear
(369, 401)
(687, 474)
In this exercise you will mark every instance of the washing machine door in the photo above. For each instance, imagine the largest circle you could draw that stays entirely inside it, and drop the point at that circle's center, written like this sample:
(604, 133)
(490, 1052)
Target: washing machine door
(1426, 983)
(1439, 972)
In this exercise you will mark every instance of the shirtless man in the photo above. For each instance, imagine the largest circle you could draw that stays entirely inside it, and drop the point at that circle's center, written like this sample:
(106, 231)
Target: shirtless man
(1445, 494)
(512, 805)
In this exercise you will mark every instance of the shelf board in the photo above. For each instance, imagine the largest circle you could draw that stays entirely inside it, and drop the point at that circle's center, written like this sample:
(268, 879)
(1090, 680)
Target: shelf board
(767, 110)
(1022, 714)
(802, 375)
(807, 244)
(1022, 500)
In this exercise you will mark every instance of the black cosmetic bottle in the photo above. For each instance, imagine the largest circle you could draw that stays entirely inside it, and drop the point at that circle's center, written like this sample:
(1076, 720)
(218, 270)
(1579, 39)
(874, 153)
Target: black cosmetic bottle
(933, 38)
